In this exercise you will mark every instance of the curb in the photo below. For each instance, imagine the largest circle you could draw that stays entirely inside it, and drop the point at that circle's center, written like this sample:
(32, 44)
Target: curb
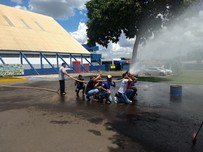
(10, 80)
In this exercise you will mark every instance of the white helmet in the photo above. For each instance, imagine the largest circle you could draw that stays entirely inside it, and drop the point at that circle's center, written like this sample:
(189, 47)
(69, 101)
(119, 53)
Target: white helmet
(109, 76)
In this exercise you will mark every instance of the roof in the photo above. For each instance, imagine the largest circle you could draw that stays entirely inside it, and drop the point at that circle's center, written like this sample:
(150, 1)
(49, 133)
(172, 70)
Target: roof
(93, 48)
(22, 30)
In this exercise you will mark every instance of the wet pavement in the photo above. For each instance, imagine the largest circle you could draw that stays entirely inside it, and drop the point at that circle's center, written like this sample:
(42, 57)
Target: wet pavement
(157, 121)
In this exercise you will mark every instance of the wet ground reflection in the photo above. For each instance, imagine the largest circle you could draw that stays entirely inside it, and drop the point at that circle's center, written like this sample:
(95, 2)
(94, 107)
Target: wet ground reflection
(155, 120)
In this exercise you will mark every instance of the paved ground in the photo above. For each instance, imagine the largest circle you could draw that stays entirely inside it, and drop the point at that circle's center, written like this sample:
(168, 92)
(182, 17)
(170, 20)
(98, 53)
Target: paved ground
(156, 122)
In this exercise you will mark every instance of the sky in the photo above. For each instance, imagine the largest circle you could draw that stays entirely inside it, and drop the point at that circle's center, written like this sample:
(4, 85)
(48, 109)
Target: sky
(72, 16)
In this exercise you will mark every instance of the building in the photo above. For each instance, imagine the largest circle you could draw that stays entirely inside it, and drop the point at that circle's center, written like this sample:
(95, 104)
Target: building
(37, 42)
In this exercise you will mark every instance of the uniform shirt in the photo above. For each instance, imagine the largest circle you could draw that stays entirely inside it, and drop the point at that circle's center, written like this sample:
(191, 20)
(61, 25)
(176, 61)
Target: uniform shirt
(61, 74)
(80, 84)
(107, 85)
(123, 86)
(130, 85)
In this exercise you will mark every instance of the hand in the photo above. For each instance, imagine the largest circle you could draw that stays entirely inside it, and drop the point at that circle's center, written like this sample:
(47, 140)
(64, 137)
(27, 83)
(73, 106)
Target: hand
(100, 72)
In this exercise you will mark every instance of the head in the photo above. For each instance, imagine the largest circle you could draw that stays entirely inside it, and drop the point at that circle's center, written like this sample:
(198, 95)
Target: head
(63, 64)
(109, 78)
(79, 76)
(124, 75)
(92, 78)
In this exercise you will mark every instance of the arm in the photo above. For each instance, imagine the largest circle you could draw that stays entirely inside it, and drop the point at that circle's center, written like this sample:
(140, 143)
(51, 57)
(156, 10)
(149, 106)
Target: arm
(104, 89)
(96, 85)
(64, 72)
(129, 79)
(98, 77)
(113, 83)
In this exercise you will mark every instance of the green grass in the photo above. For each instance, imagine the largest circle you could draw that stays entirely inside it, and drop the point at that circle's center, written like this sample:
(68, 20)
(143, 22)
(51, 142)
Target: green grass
(188, 77)
(185, 77)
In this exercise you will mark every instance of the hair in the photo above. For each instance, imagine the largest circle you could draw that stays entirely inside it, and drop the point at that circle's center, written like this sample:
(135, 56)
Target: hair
(124, 74)
(63, 64)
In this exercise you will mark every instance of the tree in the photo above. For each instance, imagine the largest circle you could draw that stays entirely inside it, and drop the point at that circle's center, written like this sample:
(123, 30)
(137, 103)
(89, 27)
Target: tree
(196, 55)
(140, 18)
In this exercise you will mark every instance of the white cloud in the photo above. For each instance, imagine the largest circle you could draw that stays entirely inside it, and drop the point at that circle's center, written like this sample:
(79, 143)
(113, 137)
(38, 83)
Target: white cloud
(80, 35)
(60, 9)
(123, 42)
(17, 1)
(21, 7)
(121, 49)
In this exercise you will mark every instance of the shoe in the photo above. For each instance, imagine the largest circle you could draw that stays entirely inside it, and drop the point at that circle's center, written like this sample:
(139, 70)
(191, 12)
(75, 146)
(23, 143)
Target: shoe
(64, 93)
(115, 100)
(129, 101)
(108, 102)
(88, 98)
(134, 98)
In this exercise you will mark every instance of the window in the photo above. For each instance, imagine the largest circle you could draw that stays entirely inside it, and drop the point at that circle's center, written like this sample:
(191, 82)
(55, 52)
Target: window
(8, 21)
(25, 23)
(39, 26)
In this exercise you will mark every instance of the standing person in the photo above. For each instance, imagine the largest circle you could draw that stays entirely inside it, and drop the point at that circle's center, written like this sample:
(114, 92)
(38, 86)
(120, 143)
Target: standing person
(62, 73)
(80, 85)
(121, 95)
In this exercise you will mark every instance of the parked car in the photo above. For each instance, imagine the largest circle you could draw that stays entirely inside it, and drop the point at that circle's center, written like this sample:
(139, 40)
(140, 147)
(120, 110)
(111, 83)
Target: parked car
(168, 71)
(156, 71)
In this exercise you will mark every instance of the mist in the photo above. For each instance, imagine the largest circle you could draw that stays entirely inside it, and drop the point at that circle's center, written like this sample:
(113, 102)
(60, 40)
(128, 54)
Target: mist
(176, 42)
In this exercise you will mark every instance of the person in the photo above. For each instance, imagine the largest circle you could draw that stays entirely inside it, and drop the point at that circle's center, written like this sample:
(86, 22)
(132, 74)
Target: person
(91, 88)
(62, 73)
(131, 88)
(121, 95)
(80, 85)
(106, 88)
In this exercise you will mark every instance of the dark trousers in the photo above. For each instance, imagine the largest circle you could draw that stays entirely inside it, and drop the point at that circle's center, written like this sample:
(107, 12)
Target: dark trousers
(62, 86)
(80, 88)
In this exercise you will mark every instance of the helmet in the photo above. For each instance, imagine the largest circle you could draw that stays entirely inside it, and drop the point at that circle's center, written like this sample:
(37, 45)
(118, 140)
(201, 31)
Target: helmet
(109, 76)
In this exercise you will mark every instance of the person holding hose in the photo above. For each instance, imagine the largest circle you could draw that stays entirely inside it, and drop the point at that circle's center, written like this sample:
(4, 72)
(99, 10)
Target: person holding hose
(121, 95)
(62, 73)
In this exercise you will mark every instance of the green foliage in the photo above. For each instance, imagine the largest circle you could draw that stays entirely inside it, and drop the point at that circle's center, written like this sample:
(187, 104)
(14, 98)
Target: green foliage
(109, 18)
(196, 55)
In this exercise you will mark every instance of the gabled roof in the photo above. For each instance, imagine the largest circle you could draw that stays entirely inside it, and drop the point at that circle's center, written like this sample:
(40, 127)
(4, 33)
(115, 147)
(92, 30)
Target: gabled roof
(27, 31)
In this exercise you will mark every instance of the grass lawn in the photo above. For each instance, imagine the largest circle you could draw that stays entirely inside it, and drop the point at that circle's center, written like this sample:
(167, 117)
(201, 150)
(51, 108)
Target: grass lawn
(186, 77)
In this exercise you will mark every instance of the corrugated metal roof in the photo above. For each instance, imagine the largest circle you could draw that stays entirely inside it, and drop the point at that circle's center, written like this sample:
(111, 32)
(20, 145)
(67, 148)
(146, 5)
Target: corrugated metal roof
(27, 31)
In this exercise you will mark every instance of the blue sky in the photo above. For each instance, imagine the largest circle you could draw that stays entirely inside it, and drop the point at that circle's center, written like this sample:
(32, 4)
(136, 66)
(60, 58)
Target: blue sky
(72, 23)
(72, 16)
(69, 18)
